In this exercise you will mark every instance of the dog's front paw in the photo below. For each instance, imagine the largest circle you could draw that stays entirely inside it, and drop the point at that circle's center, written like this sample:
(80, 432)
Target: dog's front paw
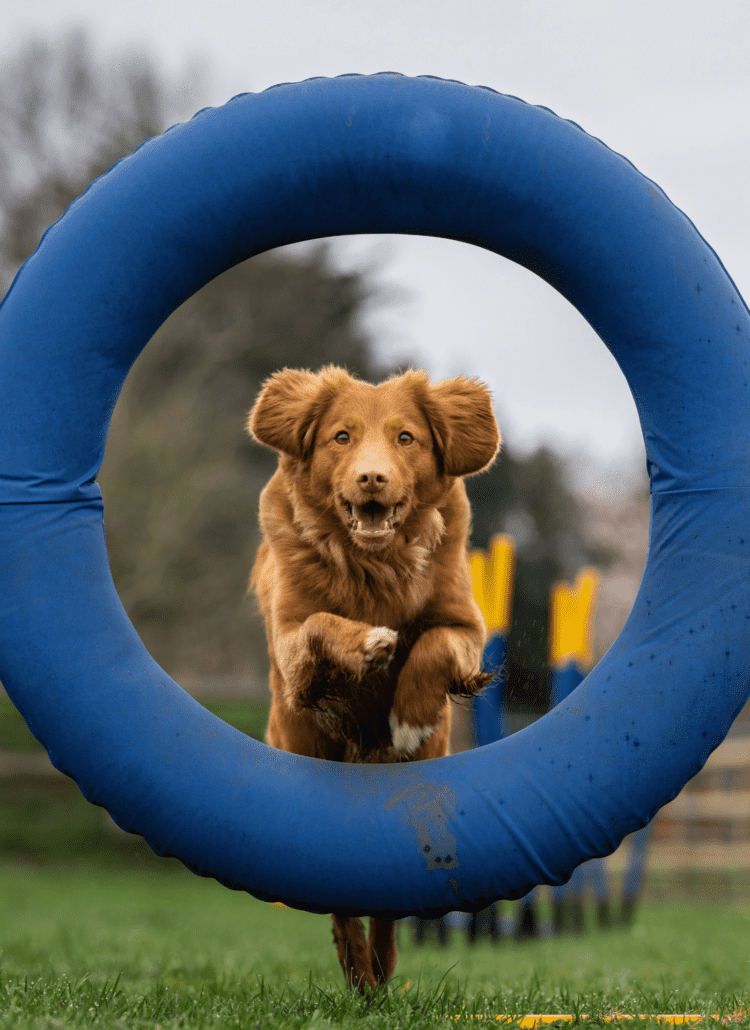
(408, 739)
(380, 643)
(472, 685)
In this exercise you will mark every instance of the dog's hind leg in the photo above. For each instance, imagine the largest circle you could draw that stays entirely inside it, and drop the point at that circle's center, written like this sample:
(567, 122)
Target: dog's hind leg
(382, 947)
(353, 951)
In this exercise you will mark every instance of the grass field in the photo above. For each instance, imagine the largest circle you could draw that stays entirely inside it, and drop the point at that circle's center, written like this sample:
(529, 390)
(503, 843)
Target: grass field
(127, 940)
(112, 948)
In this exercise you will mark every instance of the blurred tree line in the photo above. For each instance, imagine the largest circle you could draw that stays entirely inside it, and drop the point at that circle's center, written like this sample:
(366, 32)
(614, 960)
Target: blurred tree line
(181, 479)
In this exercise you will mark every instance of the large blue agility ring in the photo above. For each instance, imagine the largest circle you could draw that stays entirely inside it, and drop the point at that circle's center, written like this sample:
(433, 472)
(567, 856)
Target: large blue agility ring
(378, 154)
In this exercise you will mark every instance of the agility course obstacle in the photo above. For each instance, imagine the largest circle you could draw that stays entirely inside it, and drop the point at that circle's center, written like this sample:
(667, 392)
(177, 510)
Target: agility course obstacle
(375, 154)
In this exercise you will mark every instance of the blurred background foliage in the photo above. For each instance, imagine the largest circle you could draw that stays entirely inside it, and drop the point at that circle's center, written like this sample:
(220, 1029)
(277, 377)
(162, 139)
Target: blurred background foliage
(181, 479)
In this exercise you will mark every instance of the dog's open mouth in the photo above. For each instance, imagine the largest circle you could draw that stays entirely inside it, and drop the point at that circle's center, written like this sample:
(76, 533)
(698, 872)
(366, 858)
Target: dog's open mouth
(372, 523)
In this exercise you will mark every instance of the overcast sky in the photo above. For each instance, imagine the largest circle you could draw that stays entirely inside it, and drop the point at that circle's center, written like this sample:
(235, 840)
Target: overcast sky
(664, 82)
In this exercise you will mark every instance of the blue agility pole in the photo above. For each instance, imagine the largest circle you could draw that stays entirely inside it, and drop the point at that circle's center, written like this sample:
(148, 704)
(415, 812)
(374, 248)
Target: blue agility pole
(375, 154)
(492, 576)
(571, 653)
(492, 583)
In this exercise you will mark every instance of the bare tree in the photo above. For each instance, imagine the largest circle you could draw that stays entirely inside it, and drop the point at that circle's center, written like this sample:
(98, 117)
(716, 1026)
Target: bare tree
(64, 120)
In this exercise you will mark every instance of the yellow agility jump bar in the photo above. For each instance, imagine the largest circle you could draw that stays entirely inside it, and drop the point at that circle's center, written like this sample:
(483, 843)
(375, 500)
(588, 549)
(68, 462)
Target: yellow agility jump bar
(571, 635)
(535, 1020)
(492, 582)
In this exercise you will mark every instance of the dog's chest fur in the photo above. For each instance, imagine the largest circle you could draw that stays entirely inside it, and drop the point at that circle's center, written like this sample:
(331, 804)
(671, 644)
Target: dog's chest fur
(388, 588)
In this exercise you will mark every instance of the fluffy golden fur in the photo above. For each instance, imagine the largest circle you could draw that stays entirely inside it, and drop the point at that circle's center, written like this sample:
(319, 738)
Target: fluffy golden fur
(363, 577)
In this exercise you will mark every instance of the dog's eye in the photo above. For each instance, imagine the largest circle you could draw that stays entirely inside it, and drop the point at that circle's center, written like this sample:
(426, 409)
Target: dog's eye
(342, 437)
(405, 439)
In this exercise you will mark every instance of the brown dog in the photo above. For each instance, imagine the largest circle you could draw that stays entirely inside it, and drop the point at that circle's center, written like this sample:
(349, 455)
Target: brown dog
(363, 576)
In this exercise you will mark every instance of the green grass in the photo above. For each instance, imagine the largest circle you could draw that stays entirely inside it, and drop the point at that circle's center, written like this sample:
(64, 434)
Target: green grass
(128, 941)
(112, 949)
(14, 733)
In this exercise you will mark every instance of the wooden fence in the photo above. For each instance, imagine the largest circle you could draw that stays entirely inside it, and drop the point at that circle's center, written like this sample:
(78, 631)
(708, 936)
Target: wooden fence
(700, 842)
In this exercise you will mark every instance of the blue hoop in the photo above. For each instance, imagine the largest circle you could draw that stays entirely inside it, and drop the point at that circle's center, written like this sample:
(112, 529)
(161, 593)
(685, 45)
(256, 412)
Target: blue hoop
(379, 154)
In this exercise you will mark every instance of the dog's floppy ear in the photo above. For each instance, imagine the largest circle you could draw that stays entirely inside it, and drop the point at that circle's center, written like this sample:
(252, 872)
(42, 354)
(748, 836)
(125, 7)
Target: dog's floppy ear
(289, 406)
(466, 430)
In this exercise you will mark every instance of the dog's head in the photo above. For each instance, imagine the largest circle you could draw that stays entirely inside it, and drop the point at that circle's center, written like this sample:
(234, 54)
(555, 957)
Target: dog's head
(369, 457)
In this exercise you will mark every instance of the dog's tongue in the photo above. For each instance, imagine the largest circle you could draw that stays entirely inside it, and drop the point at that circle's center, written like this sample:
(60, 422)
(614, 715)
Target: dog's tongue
(372, 515)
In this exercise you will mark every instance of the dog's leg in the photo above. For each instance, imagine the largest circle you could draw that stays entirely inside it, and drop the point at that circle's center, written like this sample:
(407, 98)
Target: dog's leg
(323, 639)
(382, 946)
(353, 951)
(445, 660)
